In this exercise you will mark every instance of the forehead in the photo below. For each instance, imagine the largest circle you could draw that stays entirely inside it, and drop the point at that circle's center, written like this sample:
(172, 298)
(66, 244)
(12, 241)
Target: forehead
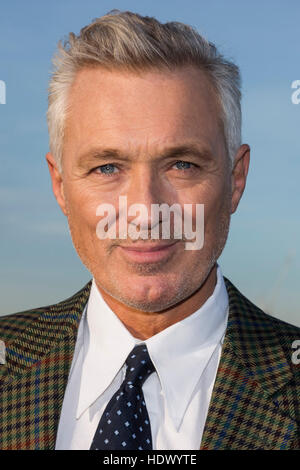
(130, 109)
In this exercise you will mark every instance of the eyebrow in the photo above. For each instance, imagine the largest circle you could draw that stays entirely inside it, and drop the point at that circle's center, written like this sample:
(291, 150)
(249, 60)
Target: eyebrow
(100, 154)
(188, 150)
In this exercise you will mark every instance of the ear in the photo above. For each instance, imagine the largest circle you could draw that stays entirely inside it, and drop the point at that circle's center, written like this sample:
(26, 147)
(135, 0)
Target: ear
(57, 182)
(239, 175)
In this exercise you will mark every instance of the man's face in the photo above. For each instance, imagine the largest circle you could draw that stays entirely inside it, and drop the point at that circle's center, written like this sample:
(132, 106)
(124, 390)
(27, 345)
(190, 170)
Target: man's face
(128, 134)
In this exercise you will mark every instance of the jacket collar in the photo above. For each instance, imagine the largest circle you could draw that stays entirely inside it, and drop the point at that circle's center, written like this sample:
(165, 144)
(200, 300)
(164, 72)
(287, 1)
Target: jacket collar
(251, 408)
(42, 329)
(255, 342)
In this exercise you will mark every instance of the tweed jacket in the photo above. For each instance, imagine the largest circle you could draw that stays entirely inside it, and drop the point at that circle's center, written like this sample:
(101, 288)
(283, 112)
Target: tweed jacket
(255, 399)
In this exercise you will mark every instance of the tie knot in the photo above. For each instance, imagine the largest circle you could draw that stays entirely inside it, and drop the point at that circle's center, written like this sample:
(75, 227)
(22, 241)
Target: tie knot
(139, 366)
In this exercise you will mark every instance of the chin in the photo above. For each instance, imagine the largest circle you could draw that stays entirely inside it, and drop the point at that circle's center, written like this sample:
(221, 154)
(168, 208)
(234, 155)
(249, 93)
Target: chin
(152, 294)
(146, 294)
(154, 304)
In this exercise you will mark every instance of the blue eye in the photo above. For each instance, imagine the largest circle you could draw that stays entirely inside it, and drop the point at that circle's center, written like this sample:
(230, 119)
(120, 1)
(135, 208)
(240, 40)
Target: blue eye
(183, 165)
(107, 169)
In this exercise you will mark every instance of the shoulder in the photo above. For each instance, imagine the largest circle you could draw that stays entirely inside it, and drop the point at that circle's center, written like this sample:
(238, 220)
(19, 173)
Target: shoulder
(15, 324)
(255, 316)
(262, 341)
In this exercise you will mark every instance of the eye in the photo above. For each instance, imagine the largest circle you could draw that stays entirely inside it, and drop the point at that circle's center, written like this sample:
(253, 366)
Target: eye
(107, 169)
(181, 165)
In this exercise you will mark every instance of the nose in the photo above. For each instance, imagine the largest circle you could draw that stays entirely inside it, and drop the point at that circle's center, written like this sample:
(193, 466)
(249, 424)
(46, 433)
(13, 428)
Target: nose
(145, 189)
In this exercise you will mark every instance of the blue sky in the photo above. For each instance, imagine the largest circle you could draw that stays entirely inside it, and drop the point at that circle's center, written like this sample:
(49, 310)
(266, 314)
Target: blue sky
(38, 264)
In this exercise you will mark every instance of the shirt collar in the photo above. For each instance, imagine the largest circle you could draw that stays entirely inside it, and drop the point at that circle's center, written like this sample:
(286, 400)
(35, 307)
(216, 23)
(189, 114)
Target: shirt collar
(106, 345)
(180, 353)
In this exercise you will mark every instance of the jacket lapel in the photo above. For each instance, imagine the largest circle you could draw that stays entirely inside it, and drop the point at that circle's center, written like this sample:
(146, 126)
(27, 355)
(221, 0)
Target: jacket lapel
(250, 408)
(36, 373)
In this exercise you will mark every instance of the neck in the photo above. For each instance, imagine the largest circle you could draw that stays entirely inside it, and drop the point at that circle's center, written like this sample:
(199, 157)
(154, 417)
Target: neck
(143, 325)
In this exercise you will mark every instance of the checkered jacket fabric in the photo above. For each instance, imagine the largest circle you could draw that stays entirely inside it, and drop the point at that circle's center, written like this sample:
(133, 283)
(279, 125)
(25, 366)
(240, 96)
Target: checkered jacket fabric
(255, 400)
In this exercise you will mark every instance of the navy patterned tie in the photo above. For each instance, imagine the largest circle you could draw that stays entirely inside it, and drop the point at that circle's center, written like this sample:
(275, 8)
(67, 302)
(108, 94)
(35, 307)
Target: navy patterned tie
(125, 423)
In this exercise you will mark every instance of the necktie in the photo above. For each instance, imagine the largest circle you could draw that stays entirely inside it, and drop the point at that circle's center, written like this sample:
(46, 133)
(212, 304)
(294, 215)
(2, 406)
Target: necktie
(125, 423)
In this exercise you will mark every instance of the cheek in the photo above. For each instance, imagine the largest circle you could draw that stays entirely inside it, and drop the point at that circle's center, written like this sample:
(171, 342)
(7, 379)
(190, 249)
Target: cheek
(217, 206)
(81, 206)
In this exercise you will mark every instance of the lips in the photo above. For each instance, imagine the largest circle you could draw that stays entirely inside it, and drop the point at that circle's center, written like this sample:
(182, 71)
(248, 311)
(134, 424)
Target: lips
(148, 253)
(147, 247)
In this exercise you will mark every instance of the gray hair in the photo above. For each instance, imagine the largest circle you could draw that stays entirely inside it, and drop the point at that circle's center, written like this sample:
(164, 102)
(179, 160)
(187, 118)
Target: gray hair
(133, 42)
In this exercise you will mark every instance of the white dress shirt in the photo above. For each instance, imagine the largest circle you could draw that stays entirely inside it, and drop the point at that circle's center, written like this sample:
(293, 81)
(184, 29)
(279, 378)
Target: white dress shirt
(177, 395)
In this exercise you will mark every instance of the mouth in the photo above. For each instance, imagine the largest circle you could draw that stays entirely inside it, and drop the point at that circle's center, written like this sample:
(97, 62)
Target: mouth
(148, 253)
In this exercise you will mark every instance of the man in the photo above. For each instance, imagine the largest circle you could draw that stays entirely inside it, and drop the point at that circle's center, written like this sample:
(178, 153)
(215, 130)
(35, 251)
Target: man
(158, 351)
